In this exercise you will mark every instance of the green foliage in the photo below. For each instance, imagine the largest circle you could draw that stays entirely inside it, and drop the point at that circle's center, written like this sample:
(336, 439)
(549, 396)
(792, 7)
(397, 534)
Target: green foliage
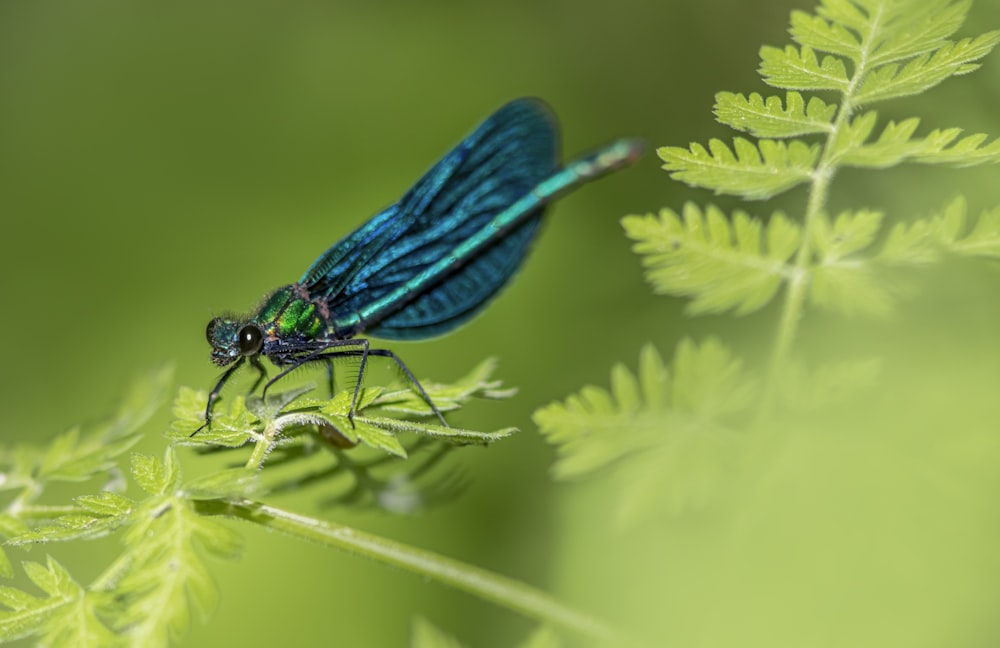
(671, 437)
(873, 51)
(376, 423)
(65, 617)
(753, 171)
(736, 263)
(161, 579)
(768, 118)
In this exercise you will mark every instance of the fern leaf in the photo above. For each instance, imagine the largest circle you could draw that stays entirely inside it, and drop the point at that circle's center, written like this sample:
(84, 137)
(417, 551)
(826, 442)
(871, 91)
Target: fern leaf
(752, 171)
(852, 135)
(911, 244)
(983, 240)
(95, 516)
(799, 69)
(849, 233)
(721, 264)
(768, 118)
(78, 455)
(165, 578)
(232, 424)
(919, 27)
(668, 439)
(968, 151)
(66, 617)
(842, 282)
(815, 32)
(927, 70)
(855, 16)
(850, 288)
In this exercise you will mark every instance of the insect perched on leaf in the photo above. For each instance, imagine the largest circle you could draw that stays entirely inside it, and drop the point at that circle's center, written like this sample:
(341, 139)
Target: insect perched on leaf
(424, 265)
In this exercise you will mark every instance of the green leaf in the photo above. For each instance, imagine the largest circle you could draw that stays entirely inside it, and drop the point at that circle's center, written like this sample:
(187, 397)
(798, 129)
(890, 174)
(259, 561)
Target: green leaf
(154, 476)
(755, 172)
(849, 233)
(913, 244)
(768, 118)
(927, 70)
(721, 264)
(814, 32)
(232, 424)
(165, 578)
(852, 287)
(918, 27)
(446, 397)
(842, 281)
(852, 135)
(848, 13)
(924, 241)
(384, 425)
(968, 151)
(96, 516)
(669, 441)
(231, 483)
(145, 396)
(983, 240)
(896, 144)
(65, 617)
(104, 503)
(799, 69)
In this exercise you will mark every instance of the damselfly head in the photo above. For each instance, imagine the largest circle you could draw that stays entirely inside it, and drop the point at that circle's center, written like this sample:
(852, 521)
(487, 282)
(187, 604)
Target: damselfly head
(232, 338)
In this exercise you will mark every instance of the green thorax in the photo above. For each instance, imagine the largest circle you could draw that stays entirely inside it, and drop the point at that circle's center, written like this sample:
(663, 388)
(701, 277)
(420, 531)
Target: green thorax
(288, 312)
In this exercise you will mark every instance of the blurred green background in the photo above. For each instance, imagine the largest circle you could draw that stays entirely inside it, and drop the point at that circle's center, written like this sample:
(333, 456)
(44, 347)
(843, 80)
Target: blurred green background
(163, 162)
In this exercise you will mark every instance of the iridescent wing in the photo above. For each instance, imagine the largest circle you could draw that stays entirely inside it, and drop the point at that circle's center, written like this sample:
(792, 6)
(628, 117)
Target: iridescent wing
(376, 280)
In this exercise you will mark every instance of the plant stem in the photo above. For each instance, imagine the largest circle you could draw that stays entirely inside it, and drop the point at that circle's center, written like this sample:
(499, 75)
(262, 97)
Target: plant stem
(474, 580)
(826, 168)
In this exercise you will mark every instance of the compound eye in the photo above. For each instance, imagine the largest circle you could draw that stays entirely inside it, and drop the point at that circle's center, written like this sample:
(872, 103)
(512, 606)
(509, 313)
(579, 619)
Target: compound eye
(251, 340)
(210, 331)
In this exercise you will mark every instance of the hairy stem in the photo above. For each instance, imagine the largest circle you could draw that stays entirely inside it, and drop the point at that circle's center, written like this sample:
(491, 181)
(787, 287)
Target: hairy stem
(474, 580)
(792, 309)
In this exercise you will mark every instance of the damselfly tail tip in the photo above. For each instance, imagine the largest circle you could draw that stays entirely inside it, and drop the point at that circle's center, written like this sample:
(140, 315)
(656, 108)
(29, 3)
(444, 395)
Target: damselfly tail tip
(627, 151)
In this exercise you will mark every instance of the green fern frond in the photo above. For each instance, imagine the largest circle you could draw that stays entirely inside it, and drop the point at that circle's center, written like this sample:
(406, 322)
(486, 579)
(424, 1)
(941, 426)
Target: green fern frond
(78, 455)
(850, 232)
(669, 439)
(925, 240)
(753, 171)
(376, 420)
(968, 151)
(164, 578)
(723, 264)
(926, 70)
(93, 516)
(982, 240)
(842, 280)
(65, 617)
(769, 118)
(916, 28)
(815, 32)
(794, 68)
